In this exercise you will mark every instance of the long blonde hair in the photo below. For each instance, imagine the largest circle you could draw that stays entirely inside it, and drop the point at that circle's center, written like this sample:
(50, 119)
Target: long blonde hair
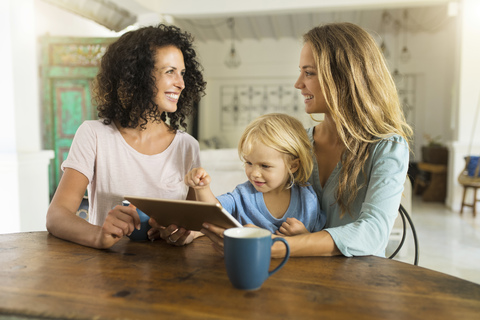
(285, 134)
(360, 95)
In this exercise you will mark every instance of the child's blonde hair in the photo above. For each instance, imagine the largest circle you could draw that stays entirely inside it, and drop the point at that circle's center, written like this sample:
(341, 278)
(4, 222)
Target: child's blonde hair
(285, 134)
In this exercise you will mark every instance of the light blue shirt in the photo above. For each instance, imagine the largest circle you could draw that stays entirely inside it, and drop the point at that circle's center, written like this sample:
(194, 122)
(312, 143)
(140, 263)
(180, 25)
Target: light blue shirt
(247, 205)
(365, 231)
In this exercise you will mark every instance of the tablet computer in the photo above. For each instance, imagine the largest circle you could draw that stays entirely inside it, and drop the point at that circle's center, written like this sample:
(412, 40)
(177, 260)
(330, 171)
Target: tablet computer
(184, 213)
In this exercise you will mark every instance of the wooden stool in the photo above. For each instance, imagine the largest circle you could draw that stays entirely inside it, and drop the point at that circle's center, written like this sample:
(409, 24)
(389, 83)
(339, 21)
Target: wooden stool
(475, 199)
(436, 189)
(468, 181)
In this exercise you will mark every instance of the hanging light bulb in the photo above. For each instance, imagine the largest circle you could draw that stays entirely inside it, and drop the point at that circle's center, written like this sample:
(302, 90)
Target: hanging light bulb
(405, 54)
(386, 19)
(397, 76)
(232, 59)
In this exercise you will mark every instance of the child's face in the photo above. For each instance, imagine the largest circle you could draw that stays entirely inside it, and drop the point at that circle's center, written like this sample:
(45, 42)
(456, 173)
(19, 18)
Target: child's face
(265, 168)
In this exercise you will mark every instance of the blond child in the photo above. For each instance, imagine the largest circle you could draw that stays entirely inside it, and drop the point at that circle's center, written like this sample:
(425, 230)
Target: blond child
(277, 155)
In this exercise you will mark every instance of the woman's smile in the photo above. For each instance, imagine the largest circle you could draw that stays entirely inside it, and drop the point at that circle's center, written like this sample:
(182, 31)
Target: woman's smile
(307, 97)
(172, 96)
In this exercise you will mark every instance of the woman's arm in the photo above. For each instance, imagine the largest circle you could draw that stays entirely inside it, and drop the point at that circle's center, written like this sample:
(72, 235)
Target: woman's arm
(63, 222)
(310, 244)
(376, 206)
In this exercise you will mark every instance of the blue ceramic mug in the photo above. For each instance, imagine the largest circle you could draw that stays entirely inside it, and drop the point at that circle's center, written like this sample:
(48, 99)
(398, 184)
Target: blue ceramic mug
(139, 235)
(247, 254)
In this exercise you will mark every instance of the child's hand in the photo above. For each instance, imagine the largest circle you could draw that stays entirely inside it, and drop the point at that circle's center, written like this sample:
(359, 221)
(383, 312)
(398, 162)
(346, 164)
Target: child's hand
(197, 178)
(291, 227)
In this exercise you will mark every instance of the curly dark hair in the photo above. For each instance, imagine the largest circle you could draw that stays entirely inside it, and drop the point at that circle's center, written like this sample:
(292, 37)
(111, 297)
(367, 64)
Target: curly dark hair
(124, 88)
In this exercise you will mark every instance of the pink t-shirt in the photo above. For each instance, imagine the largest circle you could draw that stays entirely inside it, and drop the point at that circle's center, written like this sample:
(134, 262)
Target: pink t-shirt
(114, 169)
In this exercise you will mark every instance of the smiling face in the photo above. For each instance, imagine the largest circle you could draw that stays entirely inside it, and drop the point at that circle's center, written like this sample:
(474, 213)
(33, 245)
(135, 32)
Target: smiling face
(308, 82)
(266, 169)
(168, 72)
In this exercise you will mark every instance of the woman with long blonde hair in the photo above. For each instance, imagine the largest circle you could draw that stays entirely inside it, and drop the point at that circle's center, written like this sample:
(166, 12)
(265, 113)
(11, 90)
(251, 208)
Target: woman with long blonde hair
(360, 147)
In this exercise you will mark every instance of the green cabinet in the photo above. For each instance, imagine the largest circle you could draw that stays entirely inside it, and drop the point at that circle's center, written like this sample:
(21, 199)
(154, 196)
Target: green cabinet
(68, 67)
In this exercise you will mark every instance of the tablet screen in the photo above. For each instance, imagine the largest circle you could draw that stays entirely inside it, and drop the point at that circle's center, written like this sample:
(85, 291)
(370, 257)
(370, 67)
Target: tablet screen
(184, 213)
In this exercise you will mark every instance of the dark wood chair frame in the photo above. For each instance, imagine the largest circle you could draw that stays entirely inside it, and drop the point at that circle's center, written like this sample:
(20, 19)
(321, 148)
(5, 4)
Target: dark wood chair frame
(404, 215)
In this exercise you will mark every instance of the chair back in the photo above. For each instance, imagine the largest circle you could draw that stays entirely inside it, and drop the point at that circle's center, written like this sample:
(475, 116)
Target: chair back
(404, 215)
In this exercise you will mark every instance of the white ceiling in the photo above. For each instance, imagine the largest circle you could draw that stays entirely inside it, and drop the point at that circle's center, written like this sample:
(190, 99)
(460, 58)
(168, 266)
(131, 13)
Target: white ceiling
(208, 20)
(275, 26)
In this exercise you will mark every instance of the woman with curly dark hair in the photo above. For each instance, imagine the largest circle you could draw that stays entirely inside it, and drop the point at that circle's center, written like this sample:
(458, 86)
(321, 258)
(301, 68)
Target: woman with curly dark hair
(147, 86)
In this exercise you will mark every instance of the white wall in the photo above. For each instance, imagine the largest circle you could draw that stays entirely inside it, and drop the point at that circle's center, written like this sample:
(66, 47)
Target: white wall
(8, 156)
(23, 165)
(433, 62)
(265, 62)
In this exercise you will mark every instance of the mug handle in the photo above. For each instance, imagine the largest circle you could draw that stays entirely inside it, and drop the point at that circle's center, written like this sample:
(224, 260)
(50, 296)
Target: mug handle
(287, 254)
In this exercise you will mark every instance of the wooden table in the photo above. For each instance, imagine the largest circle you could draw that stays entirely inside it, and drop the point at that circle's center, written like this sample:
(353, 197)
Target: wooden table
(45, 277)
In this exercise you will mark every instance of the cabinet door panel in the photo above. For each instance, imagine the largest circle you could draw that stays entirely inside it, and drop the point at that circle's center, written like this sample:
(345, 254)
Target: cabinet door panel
(68, 68)
(71, 106)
